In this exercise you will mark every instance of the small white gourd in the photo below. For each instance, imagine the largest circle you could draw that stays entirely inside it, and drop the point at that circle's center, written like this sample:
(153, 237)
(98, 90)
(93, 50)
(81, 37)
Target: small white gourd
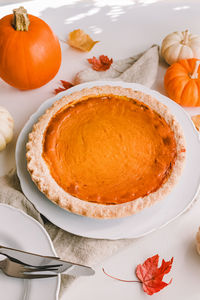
(6, 128)
(180, 45)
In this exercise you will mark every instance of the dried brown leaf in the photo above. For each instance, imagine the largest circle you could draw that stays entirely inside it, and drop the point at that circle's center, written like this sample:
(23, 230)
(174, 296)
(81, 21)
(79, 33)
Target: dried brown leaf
(81, 40)
(196, 121)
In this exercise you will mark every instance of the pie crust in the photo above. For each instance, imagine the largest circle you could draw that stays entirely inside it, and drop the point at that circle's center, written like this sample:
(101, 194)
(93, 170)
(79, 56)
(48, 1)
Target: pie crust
(42, 177)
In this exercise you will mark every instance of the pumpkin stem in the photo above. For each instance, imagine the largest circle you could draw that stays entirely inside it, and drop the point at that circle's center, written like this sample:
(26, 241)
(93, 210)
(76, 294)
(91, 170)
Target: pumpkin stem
(185, 37)
(195, 73)
(20, 19)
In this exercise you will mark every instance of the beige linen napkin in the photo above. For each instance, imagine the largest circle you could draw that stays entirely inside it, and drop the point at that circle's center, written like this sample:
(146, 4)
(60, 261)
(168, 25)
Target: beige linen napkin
(141, 69)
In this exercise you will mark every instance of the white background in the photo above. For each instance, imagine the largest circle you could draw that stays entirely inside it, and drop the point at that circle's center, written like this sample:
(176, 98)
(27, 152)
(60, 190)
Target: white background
(123, 28)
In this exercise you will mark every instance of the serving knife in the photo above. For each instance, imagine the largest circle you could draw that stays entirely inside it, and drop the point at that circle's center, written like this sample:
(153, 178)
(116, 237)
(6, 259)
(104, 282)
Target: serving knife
(36, 260)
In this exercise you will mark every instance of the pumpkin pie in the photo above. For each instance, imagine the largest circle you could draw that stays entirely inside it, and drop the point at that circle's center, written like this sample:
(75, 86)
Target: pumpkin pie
(106, 152)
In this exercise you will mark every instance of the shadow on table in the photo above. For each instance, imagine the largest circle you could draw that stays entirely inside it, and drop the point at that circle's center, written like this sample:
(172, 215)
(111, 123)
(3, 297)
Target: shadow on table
(85, 14)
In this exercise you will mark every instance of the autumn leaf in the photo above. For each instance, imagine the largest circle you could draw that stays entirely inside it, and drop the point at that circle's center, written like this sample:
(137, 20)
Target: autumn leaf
(196, 120)
(101, 64)
(65, 86)
(81, 40)
(149, 275)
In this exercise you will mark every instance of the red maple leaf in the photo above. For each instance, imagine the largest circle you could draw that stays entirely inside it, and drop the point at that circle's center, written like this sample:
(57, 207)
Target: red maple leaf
(66, 85)
(101, 64)
(149, 275)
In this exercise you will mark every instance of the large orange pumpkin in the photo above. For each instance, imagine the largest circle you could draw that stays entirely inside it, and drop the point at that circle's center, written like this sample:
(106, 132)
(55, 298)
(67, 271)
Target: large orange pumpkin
(182, 82)
(30, 54)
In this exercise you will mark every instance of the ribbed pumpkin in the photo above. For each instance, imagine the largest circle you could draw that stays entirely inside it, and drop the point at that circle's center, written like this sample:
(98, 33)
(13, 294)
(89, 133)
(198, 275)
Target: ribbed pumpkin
(30, 54)
(180, 45)
(182, 82)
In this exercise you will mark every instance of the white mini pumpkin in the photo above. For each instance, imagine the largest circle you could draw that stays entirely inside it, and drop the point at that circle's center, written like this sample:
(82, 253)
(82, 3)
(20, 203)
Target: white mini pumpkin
(6, 128)
(180, 45)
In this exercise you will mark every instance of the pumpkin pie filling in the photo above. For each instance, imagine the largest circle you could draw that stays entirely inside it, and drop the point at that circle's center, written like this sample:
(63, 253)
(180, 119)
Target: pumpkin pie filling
(109, 149)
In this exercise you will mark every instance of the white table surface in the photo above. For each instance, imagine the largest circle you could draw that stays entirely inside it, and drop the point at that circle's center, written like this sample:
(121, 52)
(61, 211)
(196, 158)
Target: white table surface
(124, 28)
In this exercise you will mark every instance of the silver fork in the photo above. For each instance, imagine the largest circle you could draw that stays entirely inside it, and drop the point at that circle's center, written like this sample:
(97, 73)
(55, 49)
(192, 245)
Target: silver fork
(14, 269)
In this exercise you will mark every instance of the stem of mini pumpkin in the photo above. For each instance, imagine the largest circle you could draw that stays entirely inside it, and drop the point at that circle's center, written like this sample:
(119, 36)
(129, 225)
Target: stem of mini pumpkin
(20, 19)
(186, 37)
(195, 73)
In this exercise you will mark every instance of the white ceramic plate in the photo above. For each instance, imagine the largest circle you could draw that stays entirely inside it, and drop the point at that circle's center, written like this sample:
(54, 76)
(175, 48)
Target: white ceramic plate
(134, 226)
(18, 230)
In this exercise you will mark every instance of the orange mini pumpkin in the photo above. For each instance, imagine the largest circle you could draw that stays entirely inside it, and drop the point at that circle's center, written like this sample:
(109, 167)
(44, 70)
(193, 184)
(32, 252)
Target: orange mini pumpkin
(30, 54)
(182, 82)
